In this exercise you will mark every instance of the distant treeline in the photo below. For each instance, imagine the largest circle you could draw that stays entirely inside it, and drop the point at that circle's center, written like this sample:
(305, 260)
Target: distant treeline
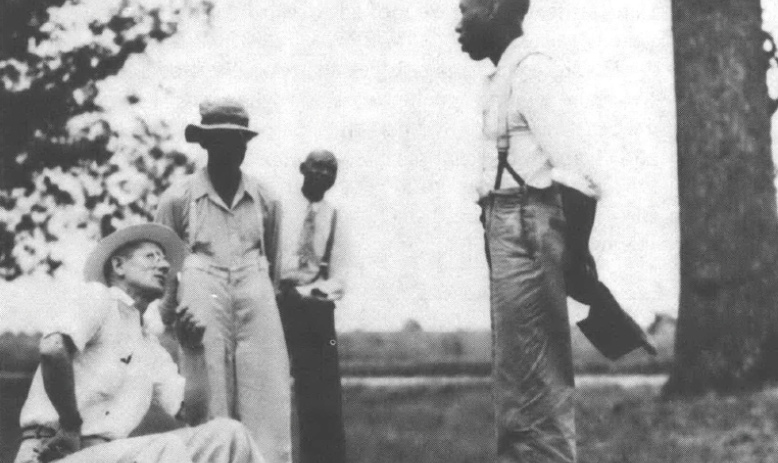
(414, 352)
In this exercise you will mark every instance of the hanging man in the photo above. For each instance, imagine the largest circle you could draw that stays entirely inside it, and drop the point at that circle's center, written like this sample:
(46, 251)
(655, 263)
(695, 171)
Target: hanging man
(535, 137)
(313, 278)
(231, 224)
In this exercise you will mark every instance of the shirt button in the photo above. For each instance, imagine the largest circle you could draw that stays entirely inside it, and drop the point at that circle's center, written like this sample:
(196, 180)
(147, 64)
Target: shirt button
(333, 342)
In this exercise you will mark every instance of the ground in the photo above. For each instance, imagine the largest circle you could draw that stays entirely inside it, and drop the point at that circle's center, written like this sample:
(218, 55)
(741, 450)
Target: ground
(615, 425)
(452, 424)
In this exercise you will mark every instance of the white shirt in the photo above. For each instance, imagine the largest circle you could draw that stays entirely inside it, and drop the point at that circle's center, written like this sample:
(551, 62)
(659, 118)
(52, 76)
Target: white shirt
(119, 367)
(296, 209)
(530, 100)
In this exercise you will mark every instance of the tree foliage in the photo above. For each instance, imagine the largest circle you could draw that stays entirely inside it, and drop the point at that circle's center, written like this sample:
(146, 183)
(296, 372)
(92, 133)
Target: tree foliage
(63, 167)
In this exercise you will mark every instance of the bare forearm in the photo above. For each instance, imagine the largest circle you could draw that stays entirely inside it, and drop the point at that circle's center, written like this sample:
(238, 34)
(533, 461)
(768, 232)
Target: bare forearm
(59, 380)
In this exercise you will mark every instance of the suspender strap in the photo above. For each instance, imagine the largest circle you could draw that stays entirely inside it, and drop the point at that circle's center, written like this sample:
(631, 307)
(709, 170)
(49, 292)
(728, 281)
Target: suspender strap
(261, 218)
(194, 217)
(193, 225)
(324, 266)
(502, 165)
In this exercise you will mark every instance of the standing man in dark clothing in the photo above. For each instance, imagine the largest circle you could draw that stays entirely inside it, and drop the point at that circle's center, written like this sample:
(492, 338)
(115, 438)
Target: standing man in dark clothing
(536, 137)
(312, 279)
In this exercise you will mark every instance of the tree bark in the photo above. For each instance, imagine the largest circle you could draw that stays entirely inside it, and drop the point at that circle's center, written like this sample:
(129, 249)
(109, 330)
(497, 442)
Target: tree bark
(727, 336)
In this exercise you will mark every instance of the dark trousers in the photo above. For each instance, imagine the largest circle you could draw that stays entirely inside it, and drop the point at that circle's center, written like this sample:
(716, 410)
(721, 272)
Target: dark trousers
(312, 343)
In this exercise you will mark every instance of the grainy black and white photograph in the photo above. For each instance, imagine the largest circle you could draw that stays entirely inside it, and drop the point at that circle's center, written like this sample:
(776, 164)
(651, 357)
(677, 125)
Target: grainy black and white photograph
(388, 231)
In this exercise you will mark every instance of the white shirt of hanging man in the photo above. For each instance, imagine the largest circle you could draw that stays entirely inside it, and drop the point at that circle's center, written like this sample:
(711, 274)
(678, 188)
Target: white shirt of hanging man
(295, 265)
(531, 97)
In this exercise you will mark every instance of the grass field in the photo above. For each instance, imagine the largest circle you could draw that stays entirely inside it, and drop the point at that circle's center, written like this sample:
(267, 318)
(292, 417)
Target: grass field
(453, 424)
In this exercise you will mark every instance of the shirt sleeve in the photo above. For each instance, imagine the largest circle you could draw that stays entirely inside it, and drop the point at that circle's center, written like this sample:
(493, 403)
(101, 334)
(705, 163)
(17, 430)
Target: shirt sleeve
(168, 383)
(543, 92)
(81, 314)
(166, 213)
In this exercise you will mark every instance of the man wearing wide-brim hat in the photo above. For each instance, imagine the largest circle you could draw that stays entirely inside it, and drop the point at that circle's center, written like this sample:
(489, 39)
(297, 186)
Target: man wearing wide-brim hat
(102, 367)
(231, 224)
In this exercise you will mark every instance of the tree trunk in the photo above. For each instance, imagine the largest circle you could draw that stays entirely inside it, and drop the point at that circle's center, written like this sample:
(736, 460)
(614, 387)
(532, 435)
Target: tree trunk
(727, 336)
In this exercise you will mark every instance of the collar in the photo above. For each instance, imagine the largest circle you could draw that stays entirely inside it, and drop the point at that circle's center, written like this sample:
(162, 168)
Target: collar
(201, 186)
(316, 206)
(517, 49)
(119, 295)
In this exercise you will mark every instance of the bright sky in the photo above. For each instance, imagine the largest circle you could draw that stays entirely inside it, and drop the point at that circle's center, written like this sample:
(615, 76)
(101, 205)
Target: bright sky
(384, 85)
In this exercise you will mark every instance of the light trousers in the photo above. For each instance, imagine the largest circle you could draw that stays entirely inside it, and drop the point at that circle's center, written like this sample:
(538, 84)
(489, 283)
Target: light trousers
(532, 356)
(245, 350)
(218, 441)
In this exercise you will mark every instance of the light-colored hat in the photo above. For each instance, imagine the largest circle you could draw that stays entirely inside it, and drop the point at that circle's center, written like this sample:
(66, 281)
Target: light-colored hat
(175, 249)
(220, 114)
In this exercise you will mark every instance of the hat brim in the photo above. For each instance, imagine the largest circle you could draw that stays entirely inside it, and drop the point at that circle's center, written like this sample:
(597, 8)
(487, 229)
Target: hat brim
(175, 249)
(194, 132)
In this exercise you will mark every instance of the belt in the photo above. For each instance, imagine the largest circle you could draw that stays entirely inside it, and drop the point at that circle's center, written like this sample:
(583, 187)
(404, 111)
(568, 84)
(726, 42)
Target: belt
(46, 432)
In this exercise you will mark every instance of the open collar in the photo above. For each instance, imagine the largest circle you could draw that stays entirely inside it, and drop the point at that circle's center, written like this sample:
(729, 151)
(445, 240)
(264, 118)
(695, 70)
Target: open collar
(202, 186)
(119, 295)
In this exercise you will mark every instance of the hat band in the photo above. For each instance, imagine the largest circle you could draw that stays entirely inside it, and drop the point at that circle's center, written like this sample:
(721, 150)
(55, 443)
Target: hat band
(217, 119)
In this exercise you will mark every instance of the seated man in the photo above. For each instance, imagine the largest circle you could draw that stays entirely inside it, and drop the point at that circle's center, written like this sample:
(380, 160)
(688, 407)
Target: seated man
(103, 367)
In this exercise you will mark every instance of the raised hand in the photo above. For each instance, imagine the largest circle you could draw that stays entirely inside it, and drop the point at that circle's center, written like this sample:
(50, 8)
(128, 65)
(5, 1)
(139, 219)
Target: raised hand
(189, 329)
(169, 301)
(60, 445)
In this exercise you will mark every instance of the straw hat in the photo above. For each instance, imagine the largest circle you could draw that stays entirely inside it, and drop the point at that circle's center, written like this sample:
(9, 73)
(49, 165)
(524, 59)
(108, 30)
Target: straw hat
(220, 114)
(174, 248)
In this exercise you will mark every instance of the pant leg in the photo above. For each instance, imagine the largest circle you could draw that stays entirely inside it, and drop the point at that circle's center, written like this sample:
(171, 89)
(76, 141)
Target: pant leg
(262, 365)
(221, 440)
(316, 371)
(532, 364)
(205, 292)
(153, 448)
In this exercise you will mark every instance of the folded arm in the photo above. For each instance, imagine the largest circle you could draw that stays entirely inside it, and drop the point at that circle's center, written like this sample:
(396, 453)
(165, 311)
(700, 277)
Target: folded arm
(57, 351)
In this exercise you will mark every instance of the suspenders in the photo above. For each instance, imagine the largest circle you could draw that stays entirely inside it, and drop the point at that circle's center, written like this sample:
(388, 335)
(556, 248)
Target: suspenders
(324, 266)
(194, 226)
(502, 165)
(503, 139)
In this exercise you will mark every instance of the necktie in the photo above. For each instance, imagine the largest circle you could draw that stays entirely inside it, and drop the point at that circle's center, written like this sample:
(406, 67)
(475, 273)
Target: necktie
(308, 260)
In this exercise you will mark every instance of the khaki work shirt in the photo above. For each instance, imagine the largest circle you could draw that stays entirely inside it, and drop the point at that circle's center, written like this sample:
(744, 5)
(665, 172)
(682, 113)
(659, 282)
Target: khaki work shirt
(229, 234)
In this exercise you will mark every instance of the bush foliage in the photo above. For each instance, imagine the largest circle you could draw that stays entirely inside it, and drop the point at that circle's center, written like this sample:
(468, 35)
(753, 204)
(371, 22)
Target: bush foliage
(64, 168)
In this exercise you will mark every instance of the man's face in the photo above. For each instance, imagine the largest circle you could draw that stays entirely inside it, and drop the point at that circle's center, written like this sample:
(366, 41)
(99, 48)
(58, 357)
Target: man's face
(319, 176)
(226, 148)
(145, 269)
(475, 29)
